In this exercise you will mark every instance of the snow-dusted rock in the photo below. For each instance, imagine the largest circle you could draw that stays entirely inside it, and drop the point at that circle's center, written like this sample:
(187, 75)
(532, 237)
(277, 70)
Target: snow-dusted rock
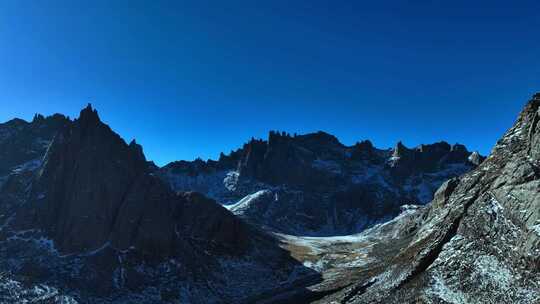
(90, 222)
(319, 186)
(476, 243)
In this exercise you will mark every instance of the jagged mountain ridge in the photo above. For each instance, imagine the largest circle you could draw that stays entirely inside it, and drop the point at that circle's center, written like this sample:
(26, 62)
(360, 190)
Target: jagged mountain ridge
(312, 184)
(477, 242)
(24, 143)
(92, 223)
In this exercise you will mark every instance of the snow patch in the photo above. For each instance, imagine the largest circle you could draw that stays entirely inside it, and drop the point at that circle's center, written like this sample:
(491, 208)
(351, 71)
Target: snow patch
(535, 228)
(246, 202)
(441, 290)
(490, 271)
(28, 166)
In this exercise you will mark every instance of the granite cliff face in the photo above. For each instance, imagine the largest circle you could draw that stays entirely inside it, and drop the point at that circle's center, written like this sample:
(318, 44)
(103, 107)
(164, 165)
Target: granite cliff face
(314, 185)
(93, 221)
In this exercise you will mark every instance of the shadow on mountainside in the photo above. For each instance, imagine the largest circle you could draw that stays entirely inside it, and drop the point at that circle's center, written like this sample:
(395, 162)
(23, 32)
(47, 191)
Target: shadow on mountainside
(88, 221)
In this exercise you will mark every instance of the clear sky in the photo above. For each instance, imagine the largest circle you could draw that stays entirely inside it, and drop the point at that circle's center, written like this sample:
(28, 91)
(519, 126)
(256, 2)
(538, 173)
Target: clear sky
(194, 78)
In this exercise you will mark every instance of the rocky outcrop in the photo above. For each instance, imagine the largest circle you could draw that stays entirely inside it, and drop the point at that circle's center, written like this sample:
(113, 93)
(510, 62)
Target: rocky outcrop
(477, 242)
(24, 143)
(428, 158)
(94, 189)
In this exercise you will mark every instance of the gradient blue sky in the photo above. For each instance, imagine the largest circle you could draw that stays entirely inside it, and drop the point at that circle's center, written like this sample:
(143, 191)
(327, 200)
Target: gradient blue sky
(195, 78)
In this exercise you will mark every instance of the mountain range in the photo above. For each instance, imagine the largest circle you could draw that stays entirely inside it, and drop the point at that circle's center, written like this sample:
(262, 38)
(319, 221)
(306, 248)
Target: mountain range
(314, 185)
(86, 218)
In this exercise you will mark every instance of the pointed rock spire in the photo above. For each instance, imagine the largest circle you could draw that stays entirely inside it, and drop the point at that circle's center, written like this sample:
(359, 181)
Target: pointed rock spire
(89, 114)
(399, 150)
(137, 150)
(459, 148)
(365, 145)
(38, 118)
(475, 158)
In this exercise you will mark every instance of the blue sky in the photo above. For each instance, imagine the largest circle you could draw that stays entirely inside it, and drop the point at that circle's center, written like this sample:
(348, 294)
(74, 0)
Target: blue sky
(194, 78)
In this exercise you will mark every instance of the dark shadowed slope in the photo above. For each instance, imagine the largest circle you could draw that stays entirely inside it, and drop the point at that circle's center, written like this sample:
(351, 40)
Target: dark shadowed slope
(92, 222)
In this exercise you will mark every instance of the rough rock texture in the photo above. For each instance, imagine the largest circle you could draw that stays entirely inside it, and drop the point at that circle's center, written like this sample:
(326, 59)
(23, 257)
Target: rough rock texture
(314, 185)
(93, 188)
(478, 241)
(22, 144)
(92, 222)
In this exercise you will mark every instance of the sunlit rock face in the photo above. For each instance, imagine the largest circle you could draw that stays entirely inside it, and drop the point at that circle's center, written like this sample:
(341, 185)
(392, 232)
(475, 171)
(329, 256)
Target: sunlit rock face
(317, 186)
(477, 242)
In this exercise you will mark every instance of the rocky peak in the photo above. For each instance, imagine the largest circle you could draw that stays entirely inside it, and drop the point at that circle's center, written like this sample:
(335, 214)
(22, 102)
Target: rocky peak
(253, 155)
(400, 150)
(364, 145)
(363, 150)
(277, 139)
(94, 189)
(435, 148)
(357, 182)
(400, 159)
(459, 148)
(405, 162)
(38, 118)
(320, 138)
(15, 123)
(22, 142)
(475, 158)
(137, 150)
(95, 219)
(89, 116)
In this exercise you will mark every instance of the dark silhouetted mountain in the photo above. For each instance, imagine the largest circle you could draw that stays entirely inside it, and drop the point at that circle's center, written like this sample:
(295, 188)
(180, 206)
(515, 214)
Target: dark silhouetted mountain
(91, 220)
